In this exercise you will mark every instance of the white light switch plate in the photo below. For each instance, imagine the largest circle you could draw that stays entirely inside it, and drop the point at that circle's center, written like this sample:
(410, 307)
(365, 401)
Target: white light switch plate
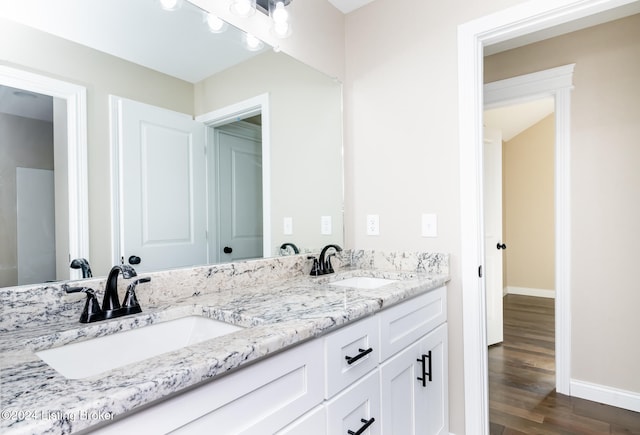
(287, 226)
(429, 225)
(373, 225)
(325, 225)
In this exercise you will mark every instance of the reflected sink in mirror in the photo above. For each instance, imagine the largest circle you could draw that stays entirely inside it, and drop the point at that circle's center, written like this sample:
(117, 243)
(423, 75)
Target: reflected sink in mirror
(98, 355)
(363, 282)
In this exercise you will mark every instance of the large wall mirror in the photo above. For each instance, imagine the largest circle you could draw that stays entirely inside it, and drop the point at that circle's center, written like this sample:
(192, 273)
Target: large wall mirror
(135, 59)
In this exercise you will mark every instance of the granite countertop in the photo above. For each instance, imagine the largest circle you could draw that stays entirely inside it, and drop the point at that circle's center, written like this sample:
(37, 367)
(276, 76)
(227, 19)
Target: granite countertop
(35, 399)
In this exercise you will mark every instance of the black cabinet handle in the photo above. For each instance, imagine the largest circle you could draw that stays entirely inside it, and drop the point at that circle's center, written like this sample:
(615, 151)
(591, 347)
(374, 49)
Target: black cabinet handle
(363, 352)
(134, 259)
(227, 250)
(426, 375)
(501, 246)
(366, 425)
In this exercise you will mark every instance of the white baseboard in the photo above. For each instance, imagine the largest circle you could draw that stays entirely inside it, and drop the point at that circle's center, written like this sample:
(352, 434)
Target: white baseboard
(607, 395)
(526, 291)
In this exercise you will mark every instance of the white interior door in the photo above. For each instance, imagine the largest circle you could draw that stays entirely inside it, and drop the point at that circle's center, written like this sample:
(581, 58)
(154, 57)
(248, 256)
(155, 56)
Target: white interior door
(162, 187)
(36, 225)
(239, 201)
(493, 233)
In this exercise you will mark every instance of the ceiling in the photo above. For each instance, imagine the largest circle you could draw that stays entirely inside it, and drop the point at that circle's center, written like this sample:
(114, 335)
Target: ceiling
(26, 104)
(346, 6)
(175, 43)
(514, 119)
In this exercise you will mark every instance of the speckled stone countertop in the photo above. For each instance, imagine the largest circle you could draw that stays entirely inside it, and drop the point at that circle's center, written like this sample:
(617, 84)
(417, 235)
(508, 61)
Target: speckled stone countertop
(276, 313)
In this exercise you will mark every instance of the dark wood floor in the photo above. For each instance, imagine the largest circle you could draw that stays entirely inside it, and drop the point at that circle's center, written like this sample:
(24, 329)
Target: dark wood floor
(522, 397)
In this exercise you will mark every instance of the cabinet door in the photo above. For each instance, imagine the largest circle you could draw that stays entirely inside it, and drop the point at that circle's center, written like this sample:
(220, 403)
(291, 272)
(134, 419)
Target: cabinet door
(411, 405)
(356, 408)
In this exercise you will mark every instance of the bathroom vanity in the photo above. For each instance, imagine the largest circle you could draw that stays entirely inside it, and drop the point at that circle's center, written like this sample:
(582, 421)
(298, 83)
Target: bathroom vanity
(362, 350)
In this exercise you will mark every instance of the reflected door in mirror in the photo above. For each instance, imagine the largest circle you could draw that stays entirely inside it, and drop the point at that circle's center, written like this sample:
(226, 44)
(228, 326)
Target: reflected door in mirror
(163, 194)
(239, 180)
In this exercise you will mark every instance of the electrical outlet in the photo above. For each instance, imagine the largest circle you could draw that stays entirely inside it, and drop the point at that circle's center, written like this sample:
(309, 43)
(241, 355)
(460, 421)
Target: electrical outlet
(373, 225)
(429, 225)
(287, 225)
(325, 225)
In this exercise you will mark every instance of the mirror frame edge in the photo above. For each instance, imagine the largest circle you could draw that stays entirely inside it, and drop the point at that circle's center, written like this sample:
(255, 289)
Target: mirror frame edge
(75, 97)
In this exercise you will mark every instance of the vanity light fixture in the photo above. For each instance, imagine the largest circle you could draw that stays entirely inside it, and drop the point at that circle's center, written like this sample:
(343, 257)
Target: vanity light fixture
(243, 8)
(252, 43)
(170, 5)
(215, 23)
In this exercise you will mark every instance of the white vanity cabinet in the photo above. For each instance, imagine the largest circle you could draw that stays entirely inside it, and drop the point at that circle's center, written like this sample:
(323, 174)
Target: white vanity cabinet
(359, 379)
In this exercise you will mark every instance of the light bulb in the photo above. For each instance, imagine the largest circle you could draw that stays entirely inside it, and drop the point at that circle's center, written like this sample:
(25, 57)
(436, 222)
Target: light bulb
(281, 30)
(216, 25)
(253, 43)
(243, 8)
(280, 14)
(170, 5)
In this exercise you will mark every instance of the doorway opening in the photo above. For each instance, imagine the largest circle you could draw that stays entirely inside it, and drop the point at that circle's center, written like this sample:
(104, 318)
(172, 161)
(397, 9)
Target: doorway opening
(523, 357)
(234, 184)
(68, 115)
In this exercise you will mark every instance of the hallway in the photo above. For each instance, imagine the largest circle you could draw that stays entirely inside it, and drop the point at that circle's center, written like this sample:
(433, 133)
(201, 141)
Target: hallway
(522, 395)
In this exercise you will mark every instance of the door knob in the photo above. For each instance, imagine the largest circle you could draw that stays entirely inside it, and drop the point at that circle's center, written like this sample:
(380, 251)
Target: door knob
(501, 246)
(227, 250)
(134, 259)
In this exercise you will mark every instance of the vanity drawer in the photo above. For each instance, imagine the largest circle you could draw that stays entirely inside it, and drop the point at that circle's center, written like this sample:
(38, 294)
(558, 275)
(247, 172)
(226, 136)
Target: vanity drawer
(350, 353)
(404, 323)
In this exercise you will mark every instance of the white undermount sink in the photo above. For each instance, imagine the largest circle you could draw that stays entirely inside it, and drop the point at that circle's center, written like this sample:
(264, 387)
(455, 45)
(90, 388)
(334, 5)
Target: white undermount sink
(91, 357)
(363, 282)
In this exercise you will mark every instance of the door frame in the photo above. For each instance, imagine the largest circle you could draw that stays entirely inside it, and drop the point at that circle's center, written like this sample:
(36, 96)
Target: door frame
(258, 105)
(516, 21)
(75, 97)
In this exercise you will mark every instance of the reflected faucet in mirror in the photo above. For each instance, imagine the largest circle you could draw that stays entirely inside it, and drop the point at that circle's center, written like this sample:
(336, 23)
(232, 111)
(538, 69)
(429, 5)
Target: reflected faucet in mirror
(83, 264)
(287, 248)
(111, 307)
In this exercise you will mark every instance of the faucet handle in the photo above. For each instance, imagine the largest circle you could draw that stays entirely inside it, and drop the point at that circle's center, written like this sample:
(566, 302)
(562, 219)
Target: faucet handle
(315, 269)
(130, 300)
(92, 311)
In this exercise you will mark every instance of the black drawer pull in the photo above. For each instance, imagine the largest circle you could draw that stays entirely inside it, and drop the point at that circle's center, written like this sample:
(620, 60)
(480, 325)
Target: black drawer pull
(426, 375)
(366, 425)
(363, 352)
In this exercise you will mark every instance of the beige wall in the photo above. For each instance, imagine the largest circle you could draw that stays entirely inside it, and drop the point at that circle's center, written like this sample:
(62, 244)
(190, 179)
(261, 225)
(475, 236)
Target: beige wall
(401, 141)
(528, 209)
(102, 75)
(605, 187)
(24, 143)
